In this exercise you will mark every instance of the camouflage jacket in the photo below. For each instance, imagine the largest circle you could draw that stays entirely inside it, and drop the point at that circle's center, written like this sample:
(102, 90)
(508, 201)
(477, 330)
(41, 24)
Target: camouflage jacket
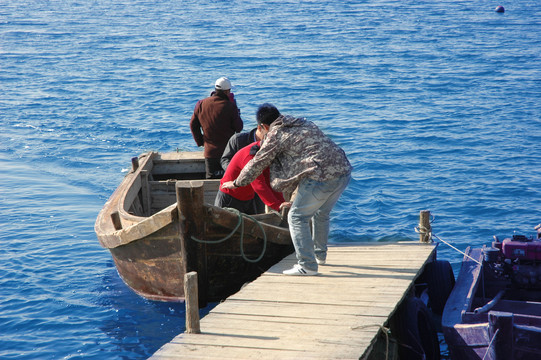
(295, 148)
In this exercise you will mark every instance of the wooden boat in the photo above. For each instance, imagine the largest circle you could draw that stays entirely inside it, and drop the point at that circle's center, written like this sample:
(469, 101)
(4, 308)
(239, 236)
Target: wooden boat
(494, 310)
(159, 225)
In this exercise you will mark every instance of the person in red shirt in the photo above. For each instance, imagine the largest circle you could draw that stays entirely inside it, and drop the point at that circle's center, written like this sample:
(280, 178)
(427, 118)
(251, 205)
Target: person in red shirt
(240, 198)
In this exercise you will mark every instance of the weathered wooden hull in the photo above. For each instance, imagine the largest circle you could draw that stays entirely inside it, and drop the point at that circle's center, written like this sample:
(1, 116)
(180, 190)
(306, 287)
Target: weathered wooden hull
(150, 234)
(487, 317)
(153, 266)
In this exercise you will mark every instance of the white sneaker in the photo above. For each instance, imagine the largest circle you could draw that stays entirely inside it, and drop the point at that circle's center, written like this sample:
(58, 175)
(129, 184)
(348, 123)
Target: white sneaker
(300, 271)
(320, 261)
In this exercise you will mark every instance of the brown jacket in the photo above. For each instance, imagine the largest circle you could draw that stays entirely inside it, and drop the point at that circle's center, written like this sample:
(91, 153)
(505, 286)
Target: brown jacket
(214, 120)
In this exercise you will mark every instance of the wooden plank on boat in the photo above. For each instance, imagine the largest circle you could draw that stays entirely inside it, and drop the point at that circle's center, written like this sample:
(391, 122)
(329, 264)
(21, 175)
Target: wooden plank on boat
(463, 292)
(163, 192)
(146, 196)
(336, 315)
(179, 162)
(144, 228)
(230, 219)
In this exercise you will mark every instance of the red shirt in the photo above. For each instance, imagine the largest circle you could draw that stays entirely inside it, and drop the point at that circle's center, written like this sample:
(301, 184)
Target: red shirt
(261, 185)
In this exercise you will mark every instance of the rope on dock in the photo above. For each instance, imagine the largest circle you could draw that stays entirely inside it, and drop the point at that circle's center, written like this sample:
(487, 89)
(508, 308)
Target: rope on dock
(451, 246)
(240, 225)
(427, 232)
(385, 330)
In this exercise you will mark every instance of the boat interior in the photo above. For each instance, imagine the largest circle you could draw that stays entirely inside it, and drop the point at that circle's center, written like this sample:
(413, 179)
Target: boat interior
(497, 289)
(156, 176)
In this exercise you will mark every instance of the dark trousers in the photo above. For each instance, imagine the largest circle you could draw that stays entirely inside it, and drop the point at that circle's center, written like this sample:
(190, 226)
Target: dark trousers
(259, 205)
(224, 200)
(213, 168)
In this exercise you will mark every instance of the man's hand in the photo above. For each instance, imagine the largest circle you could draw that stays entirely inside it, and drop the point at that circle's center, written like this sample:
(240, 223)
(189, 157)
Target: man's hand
(285, 204)
(228, 185)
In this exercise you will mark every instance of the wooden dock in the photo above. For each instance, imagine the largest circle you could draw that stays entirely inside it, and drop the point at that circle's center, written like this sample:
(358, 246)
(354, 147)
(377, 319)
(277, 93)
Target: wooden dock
(336, 315)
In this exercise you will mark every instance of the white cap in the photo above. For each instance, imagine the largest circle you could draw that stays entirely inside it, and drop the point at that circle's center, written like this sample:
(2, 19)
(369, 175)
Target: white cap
(223, 83)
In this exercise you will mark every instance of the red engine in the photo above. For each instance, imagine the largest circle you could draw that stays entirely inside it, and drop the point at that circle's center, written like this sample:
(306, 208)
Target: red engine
(522, 248)
(518, 258)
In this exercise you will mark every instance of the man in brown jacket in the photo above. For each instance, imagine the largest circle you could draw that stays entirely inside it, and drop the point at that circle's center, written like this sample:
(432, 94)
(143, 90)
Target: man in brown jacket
(214, 120)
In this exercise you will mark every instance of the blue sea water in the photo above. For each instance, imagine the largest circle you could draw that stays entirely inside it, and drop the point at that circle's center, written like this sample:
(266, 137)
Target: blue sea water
(436, 103)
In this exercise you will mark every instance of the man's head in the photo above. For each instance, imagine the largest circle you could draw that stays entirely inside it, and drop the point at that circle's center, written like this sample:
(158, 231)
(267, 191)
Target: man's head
(265, 116)
(223, 84)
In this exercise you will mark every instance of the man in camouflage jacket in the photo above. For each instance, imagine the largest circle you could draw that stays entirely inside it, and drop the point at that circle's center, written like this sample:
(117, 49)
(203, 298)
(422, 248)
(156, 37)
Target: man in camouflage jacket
(300, 155)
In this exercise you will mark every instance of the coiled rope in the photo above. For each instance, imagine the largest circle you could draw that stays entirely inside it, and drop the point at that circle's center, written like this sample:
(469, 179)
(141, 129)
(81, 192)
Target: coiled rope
(240, 225)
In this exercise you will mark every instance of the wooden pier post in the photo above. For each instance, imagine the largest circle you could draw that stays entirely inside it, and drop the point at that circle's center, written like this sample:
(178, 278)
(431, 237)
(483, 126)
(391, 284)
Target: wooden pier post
(502, 341)
(424, 227)
(190, 205)
(192, 303)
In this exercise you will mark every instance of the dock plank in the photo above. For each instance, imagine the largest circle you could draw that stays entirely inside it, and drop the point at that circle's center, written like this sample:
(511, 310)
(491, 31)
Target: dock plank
(336, 315)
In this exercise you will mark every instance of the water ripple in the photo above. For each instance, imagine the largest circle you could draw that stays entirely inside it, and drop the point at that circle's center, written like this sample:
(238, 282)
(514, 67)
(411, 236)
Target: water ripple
(435, 103)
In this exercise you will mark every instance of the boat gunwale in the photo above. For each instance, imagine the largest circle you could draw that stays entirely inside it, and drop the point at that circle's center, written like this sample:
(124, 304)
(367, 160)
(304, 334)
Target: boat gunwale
(110, 237)
(139, 227)
(465, 288)
(107, 235)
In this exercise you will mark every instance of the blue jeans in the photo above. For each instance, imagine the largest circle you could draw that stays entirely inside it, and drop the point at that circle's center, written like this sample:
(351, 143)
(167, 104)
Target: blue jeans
(314, 201)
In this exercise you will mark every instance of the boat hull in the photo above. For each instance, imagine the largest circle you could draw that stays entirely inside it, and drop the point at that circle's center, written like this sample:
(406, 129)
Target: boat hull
(154, 268)
(487, 316)
(154, 243)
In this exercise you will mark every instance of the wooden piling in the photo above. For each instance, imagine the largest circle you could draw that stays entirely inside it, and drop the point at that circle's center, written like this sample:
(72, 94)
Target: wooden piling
(424, 227)
(190, 201)
(192, 303)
